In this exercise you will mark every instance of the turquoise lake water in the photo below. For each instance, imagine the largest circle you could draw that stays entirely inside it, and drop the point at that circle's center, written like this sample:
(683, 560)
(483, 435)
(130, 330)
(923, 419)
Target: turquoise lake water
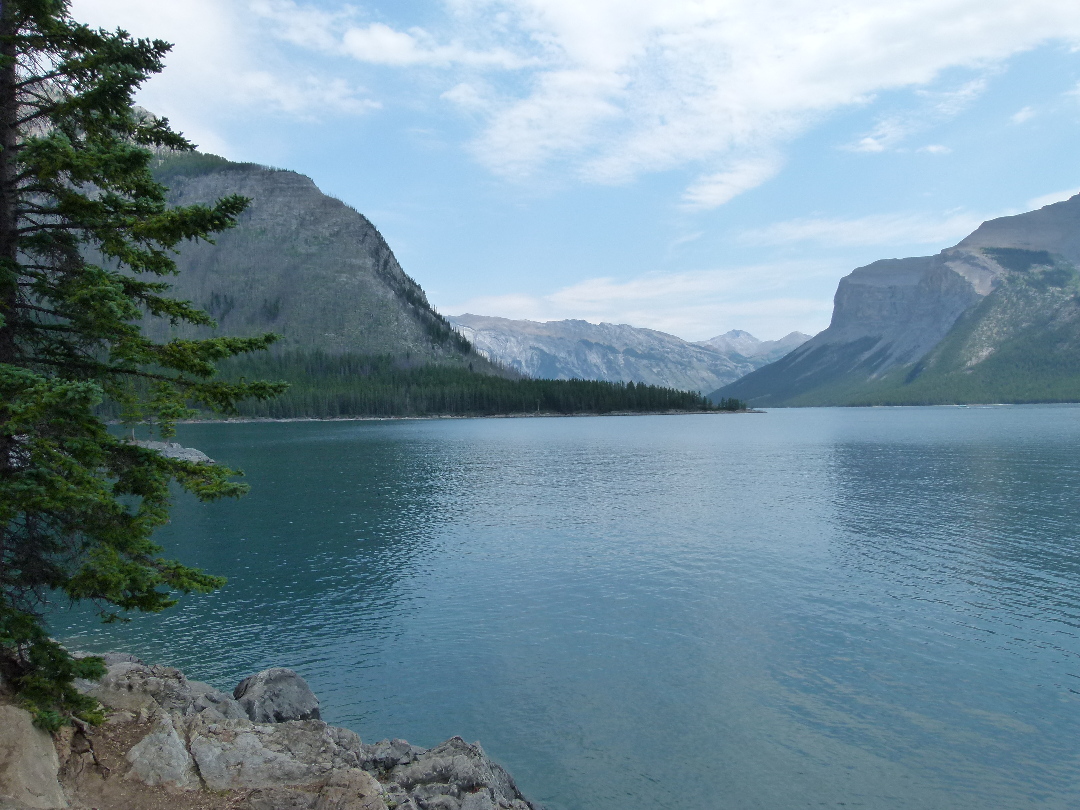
(872, 608)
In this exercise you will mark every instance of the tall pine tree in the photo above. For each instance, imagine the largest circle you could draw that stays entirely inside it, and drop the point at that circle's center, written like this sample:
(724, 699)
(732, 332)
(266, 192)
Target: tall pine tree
(86, 247)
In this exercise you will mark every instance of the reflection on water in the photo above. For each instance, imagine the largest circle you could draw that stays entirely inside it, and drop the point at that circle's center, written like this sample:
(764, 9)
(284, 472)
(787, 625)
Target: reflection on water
(873, 607)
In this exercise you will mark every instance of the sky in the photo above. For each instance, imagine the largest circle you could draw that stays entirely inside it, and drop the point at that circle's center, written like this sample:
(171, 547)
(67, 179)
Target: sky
(692, 166)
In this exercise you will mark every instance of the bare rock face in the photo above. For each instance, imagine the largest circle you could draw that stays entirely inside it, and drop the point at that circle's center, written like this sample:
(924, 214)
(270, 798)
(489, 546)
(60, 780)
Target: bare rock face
(895, 313)
(161, 758)
(456, 776)
(242, 754)
(886, 314)
(28, 764)
(299, 263)
(277, 695)
(343, 790)
(186, 738)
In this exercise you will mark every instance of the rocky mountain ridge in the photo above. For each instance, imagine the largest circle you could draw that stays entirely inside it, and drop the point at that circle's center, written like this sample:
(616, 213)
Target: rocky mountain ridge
(299, 263)
(568, 349)
(969, 324)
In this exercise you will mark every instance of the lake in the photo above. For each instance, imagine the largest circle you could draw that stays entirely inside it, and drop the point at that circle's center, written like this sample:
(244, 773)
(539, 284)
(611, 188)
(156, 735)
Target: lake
(873, 608)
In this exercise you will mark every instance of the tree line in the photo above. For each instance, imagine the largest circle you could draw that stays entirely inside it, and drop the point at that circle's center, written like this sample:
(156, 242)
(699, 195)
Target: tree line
(322, 385)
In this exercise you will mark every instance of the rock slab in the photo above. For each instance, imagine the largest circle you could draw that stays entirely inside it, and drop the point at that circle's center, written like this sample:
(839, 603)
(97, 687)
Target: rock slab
(28, 764)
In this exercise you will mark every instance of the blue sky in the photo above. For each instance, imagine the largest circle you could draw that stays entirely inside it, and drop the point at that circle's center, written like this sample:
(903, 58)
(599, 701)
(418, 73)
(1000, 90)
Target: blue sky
(692, 166)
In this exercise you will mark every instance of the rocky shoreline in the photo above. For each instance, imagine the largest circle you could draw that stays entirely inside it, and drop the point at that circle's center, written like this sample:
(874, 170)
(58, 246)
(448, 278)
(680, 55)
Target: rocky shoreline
(169, 742)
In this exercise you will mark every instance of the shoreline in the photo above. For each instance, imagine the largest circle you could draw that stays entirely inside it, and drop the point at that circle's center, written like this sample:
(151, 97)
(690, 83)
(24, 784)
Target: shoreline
(170, 742)
(541, 415)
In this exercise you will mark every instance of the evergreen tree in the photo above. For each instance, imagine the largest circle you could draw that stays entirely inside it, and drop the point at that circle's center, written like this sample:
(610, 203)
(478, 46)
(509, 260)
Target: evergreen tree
(86, 245)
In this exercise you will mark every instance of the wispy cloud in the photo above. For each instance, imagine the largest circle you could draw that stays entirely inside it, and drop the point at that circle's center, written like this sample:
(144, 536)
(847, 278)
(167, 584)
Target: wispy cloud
(892, 130)
(716, 189)
(695, 306)
(1022, 115)
(878, 229)
(382, 45)
(1052, 197)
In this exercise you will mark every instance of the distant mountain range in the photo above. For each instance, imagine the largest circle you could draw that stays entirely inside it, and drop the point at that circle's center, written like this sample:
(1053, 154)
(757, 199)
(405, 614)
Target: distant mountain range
(563, 350)
(764, 351)
(309, 267)
(994, 319)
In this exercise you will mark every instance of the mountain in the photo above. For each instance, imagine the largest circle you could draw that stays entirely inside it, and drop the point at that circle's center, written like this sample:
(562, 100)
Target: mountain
(563, 350)
(994, 319)
(302, 264)
(738, 342)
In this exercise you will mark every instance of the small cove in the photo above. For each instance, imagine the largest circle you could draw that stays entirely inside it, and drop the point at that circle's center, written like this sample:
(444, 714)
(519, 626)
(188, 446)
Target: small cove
(822, 607)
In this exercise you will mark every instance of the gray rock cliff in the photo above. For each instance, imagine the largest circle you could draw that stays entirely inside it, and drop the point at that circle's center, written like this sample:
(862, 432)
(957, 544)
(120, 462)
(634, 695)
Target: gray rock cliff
(893, 314)
(299, 263)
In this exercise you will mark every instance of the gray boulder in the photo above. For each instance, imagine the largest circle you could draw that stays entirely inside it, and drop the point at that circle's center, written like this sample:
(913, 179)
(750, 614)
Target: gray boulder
(276, 696)
(117, 658)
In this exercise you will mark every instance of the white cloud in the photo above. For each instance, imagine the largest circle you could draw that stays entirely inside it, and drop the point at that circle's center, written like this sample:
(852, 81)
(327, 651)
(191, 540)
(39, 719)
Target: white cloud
(1022, 115)
(307, 26)
(716, 189)
(878, 229)
(222, 63)
(694, 305)
(467, 96)
(935, 149)
(382, 45)
(1052, 197)
(604, 90)
(336, 33)
(633, 86)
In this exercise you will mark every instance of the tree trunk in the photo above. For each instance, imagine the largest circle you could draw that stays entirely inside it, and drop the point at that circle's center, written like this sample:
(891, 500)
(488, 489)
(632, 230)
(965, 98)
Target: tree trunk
(9, 112)
(9, 140)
